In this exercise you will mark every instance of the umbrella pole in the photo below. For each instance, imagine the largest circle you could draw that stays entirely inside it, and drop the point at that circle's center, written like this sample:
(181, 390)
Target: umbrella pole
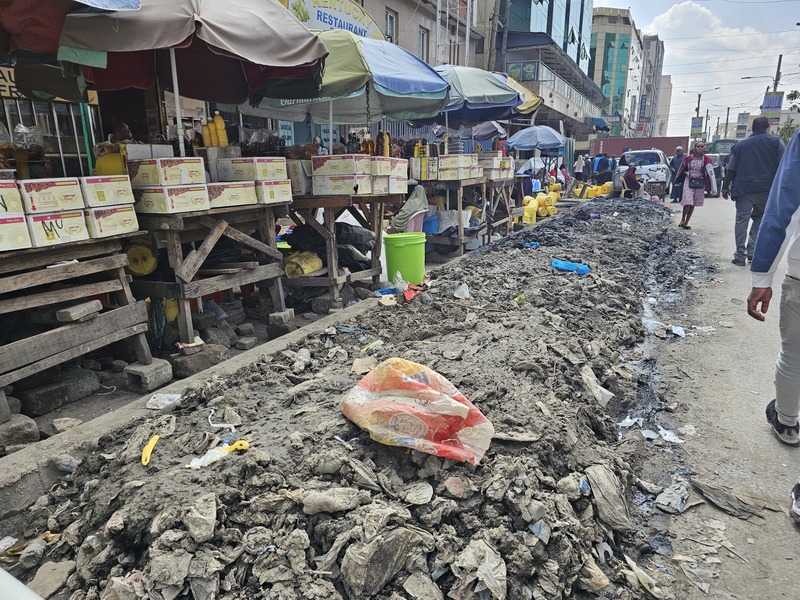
(84, 108)
(176, 92)
(330, 126)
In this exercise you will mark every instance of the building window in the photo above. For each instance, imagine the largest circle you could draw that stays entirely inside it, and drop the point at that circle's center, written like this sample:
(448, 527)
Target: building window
(479, 46)
(391, 26)
(422, 51)
(613, 20)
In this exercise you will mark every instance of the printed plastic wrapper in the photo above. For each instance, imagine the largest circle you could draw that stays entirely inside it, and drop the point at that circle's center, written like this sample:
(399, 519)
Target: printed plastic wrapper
(402, 403)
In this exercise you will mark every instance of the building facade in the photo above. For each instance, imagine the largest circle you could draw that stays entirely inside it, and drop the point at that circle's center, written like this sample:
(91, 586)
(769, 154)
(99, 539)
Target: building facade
(617, 67)
(648, 102)
(664, 106)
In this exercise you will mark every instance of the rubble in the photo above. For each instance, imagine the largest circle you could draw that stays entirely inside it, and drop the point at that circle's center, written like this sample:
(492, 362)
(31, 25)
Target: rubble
(316, 510)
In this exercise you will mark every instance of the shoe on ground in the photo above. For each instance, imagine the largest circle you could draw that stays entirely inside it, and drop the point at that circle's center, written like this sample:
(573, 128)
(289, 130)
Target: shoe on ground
(739, 262)
(749, 258)
(794, 511)
(788, 434)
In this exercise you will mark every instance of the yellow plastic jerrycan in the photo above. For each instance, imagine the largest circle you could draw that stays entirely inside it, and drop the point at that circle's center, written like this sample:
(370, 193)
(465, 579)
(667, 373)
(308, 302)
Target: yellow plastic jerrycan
(529, 213)
(219, 124)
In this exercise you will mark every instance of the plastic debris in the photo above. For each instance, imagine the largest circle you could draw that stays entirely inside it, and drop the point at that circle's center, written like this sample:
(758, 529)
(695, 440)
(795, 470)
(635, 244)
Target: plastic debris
(479, 568)
(402, 403)
(732, 503)
(611, 505)
(162, 401)
(678, 330)
(563, 265)
(673, 499)
(669, 436)
(531, 246)
(592, 578)
(215, 454)
(148, 450)
(630, 421)
(220, 425)
(600, 394)
(462, 292)
(645, 580)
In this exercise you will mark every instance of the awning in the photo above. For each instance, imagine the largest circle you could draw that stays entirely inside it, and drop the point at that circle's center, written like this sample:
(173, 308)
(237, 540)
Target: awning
(598, 123)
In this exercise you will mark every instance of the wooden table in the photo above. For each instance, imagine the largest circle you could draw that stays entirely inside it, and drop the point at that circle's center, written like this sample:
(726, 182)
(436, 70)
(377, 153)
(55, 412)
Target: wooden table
(500, 191)
(458, 186)
(100, 270)
(207, 227)
(367, 209)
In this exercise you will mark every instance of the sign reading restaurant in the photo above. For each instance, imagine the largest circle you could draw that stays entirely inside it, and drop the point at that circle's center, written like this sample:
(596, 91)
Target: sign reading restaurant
(334, 14)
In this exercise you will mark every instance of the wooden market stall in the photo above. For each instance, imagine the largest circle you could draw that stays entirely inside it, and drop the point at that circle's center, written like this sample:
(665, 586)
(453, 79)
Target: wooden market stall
(459, 186)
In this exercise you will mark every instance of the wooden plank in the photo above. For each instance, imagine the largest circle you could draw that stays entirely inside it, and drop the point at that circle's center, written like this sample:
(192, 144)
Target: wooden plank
(175, 255)
(358, 216)
(22, 260)
(79, 311)
(192, 262)
(251, 264)
(156, 289)
(204, 287)
(64, 295)
(243, 239)
(310, 282)
(331, 251)
(32, 349)
(365, 274)
(68, 271)
(267, 229)
(313, 202)
(219, 271)
(61, 357)
(309, 219)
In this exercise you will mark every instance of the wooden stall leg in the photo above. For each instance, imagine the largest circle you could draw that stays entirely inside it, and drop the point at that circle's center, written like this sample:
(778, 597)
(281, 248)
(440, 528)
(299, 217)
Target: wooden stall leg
(376, 218)
(266, 228)
(459, 208)
(125, 298)
(333, 254)
(175, 255)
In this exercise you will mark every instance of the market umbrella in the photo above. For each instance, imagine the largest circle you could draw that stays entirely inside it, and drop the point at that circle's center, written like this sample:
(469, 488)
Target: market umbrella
(538, 136)
(224, 52)
(530, 99)
(365, 79)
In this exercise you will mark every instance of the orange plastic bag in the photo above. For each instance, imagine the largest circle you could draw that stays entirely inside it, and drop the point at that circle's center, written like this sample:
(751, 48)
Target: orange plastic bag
(402, 403)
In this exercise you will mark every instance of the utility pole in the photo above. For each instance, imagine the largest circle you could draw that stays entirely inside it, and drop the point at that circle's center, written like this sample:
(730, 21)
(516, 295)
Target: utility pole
(467, 34)
(697, 109)
(777, 74)
(727, 119)
(716, 131)
(438, 40)
(505, 37)
(706, 127)
(492, 37)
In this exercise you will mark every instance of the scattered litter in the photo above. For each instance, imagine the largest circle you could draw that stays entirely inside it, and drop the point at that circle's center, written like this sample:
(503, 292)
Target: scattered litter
(462, 292)
(220, 425)
(531, 245)
(563, 265)
(729, 501)
(363, 365)
(148, 449)
(162, 401)
(646, 581)
(687, 430)
(215, 454)
(630, 421)
(678, 330)
(390, 291)
(669, 436)
(402, 403)
(600, 394)
(595, 215)
(673, 499)
(703, 329)
(387, 301)
(479, 569)
(649, 434)
(372, 345)
(611, 505)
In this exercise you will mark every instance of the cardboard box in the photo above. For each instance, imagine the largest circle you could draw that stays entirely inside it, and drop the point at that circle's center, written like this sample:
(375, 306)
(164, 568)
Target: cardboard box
(252, 169)
(433, 168)
(342, 164)
(171, 199)
(167, 171)
(381, 166)
(274, 192)
(57, 228)
(51, 195)
(211, 157)
(14, 234)
(390, 185)
(10, 198)
(495, 163)
(399, 167)
(472, 160)
(452, 161)
(451, 174)
(342, 185)
(490, 154)
(109, 190)
(299, 172)
(475, 172)
(111, 220)
(418, 168)
(237, 193)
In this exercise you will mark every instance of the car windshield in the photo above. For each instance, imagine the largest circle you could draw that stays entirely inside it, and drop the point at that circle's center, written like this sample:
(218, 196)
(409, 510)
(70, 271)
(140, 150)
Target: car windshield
(638, 159)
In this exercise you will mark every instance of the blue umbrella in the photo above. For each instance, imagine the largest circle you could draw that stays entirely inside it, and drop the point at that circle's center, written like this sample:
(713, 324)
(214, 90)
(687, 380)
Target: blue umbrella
(538, 136)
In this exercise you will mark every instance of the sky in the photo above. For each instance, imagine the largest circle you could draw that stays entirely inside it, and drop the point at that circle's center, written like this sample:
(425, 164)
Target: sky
(714, 43)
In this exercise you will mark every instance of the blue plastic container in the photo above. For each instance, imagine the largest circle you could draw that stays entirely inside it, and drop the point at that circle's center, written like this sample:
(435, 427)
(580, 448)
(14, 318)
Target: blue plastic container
(430, 225)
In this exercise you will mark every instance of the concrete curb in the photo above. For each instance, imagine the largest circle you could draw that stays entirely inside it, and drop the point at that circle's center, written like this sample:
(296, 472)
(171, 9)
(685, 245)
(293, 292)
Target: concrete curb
(27, 474)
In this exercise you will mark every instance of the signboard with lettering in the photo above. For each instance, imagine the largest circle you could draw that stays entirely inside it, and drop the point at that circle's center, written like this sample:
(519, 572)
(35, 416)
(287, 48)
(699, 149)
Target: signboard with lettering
(325, 132)
(334, 14)
(286, 131)
(697, 126)
(771, 107)
(8, 87)
(643, 107)
(743, 118)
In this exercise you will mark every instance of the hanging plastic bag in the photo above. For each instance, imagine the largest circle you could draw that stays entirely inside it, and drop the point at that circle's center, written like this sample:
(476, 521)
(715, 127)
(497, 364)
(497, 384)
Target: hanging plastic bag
(28, 135)
(5, 138)
(402, 403)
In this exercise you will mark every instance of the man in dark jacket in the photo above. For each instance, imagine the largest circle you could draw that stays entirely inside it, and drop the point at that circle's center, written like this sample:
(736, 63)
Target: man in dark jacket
(751, 169)
(674, 164)
(603, 164)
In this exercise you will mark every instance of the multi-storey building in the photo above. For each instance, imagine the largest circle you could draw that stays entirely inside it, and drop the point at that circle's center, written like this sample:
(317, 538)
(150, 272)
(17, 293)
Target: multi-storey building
(648, 102)
(617, 66)
(664, 106)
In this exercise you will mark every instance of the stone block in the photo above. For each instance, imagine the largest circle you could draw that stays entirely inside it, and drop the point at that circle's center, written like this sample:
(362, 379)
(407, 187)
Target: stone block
(226, 327)
(283, 317)
(79, 311)
(246, 329)
(118, 366)
(204, 320)
(51, 577)
(186, 366)
(321, 305)
(364, 293)
(238, 317)
(19, 430)
(214, 335)
(73, 385)
(276, 331)
(247, 342)
(14, 404)
(50, 375)
(63, 424)
(92, 364)
(5, 409)
(146, 378)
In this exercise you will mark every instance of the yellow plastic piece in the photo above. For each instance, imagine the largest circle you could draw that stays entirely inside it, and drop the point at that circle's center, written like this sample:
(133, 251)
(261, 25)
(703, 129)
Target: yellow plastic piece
(171, 309)
(542, 212)
(141, 259)
(554, 196)
(110, 164)
(238, 446)
(148, 450)
(301, 263)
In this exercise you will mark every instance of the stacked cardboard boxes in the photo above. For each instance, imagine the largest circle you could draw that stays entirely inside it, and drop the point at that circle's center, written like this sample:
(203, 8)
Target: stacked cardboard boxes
(169, 185)
(53, 211)
(268, 176)
(109, 205)
(495, 166)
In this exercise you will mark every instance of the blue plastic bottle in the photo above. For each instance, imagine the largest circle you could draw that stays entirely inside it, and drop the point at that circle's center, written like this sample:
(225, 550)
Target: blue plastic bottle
(536, 185)
(563, 265)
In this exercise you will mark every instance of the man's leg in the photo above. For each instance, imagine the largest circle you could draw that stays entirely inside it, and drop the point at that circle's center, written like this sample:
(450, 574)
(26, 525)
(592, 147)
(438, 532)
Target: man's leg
(744, 208)
(787, 371)
(759, 204)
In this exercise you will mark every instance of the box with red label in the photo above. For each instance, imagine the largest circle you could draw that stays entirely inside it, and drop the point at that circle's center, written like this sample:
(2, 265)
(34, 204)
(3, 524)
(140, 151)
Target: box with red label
(342, 185)
(57, 228)
(113, 220)
(342, 164)
(108, 190)
(450, 174)
(399, 167)
(453, 161)
(51, 195)
(171, 199)
(381, 166)
(390, 185)
(272, 192)
(495, 163)
(167, 171)
(236, 193)
(10, 198)
(14, 234)
(264, 168)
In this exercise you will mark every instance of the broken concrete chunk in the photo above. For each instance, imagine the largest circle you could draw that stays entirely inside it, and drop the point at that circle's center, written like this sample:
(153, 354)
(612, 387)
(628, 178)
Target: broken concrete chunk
(51, 577)
(63, 424)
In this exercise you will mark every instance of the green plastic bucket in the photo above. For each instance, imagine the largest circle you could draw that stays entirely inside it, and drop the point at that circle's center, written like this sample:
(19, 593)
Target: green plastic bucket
(405, 252)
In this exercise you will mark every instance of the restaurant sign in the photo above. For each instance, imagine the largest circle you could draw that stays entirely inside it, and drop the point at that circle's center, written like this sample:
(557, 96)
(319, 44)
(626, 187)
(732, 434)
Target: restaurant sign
(334, 14)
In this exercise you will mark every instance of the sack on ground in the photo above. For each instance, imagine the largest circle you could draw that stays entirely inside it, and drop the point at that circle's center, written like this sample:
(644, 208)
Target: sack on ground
(403, 403)
(697, 183)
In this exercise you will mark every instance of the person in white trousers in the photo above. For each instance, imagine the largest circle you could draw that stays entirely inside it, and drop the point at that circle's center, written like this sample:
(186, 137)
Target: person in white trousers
(778, 235)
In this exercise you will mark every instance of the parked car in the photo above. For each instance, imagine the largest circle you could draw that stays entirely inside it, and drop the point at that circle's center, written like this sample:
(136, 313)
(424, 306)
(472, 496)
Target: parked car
(652, 168)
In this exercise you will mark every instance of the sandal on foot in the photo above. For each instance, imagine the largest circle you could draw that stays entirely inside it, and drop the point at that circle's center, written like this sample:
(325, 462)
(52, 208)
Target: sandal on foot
(686, 227)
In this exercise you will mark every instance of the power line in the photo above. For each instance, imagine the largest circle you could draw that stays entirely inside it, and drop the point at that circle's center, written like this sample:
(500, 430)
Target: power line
(705, 37)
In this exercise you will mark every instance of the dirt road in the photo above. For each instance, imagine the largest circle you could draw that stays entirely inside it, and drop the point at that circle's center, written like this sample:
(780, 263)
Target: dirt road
(722, 381)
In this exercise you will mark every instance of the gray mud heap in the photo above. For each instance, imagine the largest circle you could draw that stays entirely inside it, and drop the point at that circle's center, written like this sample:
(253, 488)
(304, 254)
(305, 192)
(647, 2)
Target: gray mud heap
(316, 510)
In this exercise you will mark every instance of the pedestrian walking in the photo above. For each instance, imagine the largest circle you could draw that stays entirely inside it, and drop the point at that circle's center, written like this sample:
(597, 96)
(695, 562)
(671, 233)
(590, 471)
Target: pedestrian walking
(698, 180)
(674, 164)
(751, 169)
(577, 168)
(603, 164)
(778, 234)
(614, 163)
(587, 169)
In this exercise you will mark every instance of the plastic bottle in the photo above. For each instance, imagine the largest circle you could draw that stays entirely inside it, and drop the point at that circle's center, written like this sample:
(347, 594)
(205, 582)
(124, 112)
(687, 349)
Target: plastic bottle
(563, 265)
(368, 146)
(212, 131)
(206, 135)
(222, 134)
